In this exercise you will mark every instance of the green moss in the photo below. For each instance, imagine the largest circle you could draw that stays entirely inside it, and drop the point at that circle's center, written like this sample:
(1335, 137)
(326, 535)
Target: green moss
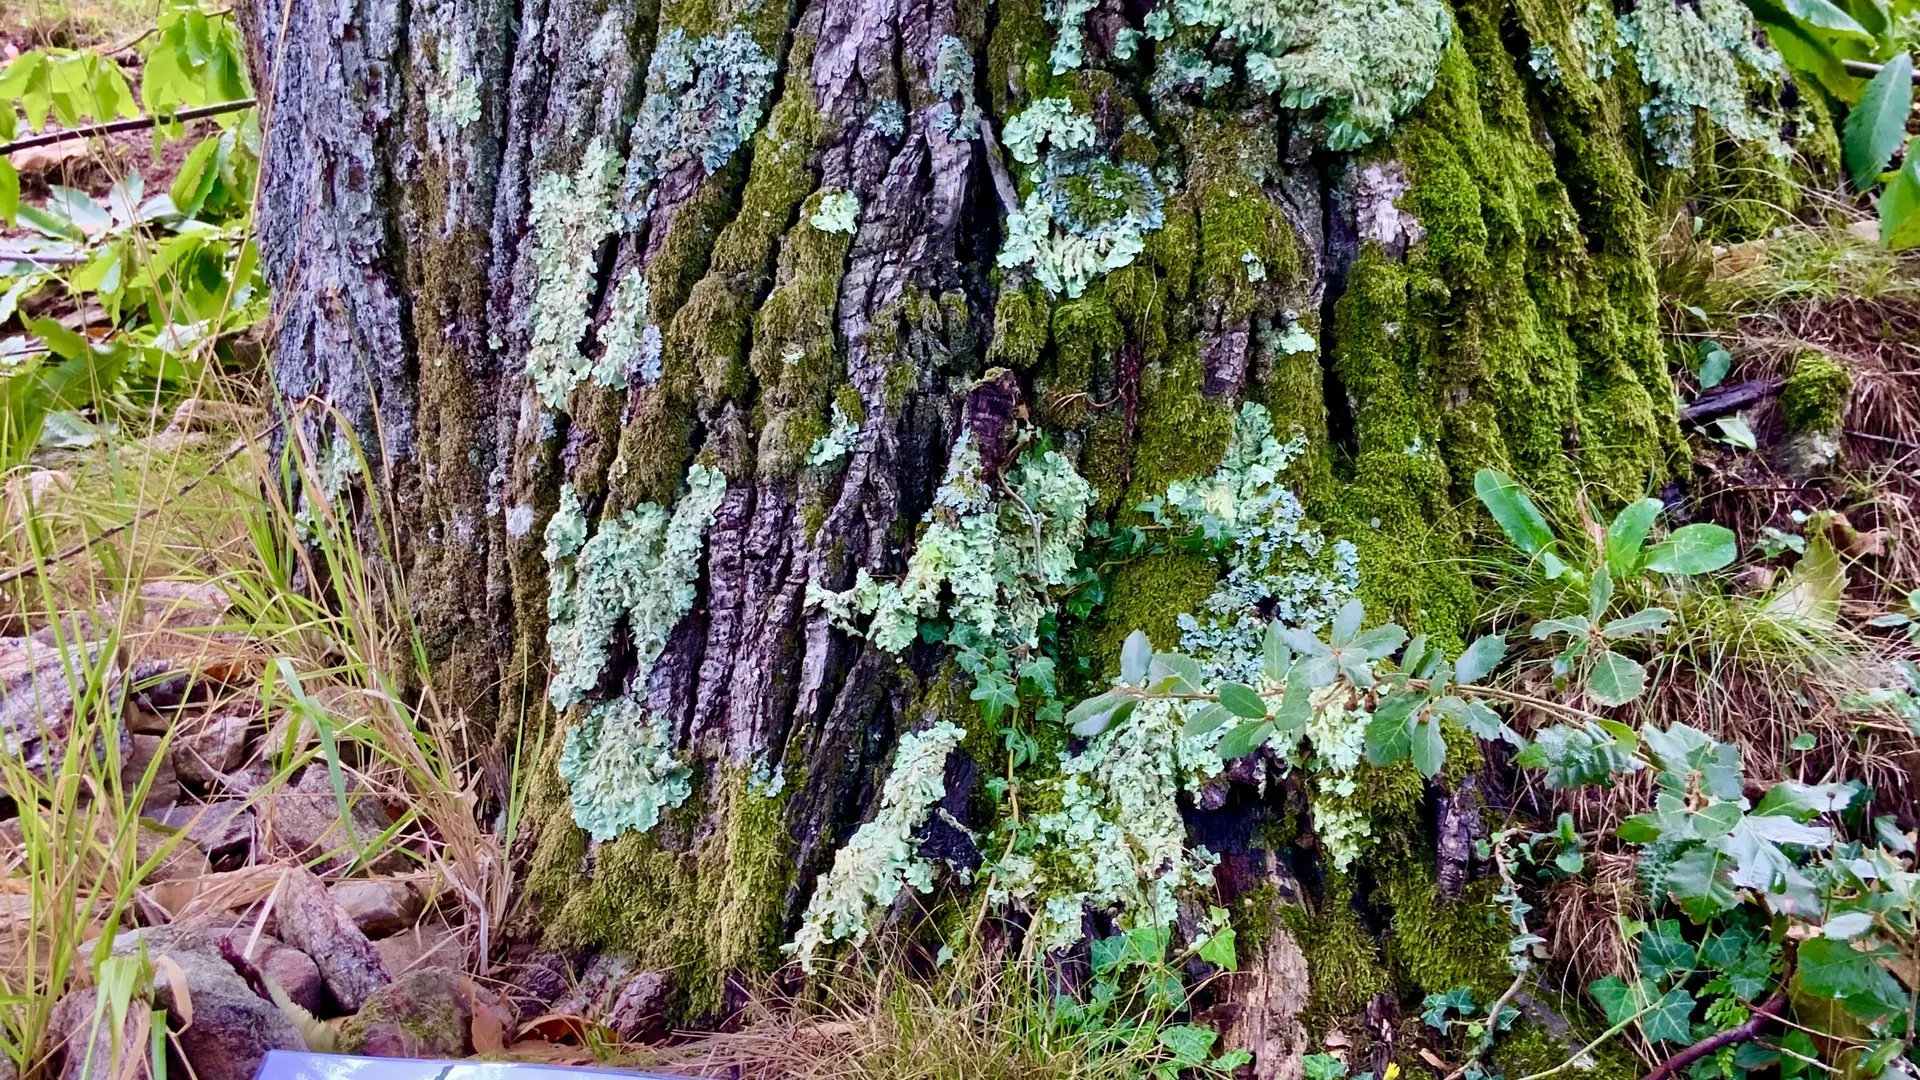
(1086, 333)
(733, 866)
(1150, 594)
(1343, 960)
(1531, 1048)
(1437, 944)
(1816, 393)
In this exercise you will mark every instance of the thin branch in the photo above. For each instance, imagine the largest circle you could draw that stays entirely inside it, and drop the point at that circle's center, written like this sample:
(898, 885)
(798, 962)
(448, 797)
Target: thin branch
(1740, 1034)
(115, 127)
(1867, 69)
(1519, 977)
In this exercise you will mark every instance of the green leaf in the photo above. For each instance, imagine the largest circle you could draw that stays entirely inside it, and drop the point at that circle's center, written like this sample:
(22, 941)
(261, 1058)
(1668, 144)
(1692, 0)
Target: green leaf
(1480, 659)
(1275, 656)
(1429, 749)
(1735, 431)
(1091, 717)
(1716, 819)
(1346, 622)
(1715, 362)
(1513, 510)
(1204, 721)
(1877, 126)
(1218, 950)
(1627, 536)
(1241, 701)
(1381, 641)
(1615, 679)
(1620, 999)
(1695, 549)
(1188, 1043)
(1668, 1019)
(1900, 203)
(1665, 952)
(1296, 707)
(1574, 757)
(1802, 741)
(1837, 970)
(1135, 654)
(1697, 882)
(1244, 740)
(9, 182)
(1644, 621)
(1389, 736)
(995, 695)
(1175, 673)
(1803, 802)
(1847, 925)
(1599, 595)
(63, 342)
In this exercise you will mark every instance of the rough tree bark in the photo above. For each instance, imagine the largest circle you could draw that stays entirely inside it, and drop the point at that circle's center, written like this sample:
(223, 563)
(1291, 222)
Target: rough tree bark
(445, 206)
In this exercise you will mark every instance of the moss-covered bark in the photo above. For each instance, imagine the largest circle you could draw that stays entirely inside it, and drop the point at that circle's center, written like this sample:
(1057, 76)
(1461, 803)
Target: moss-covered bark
(1473, 288)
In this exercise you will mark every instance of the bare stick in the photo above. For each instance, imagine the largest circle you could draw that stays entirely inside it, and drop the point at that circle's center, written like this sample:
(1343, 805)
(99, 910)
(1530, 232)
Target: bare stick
(115, 127)
(1732, 1035)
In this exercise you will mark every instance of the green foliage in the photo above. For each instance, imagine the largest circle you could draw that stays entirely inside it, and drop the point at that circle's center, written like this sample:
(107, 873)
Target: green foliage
(174, 273)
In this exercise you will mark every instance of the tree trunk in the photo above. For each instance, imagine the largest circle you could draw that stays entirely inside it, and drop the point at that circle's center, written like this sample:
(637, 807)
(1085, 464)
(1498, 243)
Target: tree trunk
(667, 321)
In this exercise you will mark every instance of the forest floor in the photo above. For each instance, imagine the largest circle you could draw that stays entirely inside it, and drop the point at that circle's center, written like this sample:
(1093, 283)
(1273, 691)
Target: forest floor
(272, 790)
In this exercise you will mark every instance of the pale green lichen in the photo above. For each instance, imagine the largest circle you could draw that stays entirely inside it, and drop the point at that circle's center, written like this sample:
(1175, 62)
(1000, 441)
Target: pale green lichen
(621, 773)
(704, 101)
(1118, 843)
(339, 463)
(881, 859)
(996, 556)
(839, 213)
(831, 447)
(630, 344)
(952, 78)
(1293, 339)
(1069, 43)
(637, 570)
(1700, 58)
(452, 96)
(571, 216)
(1598, 39)
(1086, 215)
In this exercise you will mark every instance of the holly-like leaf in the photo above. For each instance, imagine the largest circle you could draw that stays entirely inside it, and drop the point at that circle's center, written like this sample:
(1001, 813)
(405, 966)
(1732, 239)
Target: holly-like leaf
(1381, 641)
(1877, 125)
(1244, 740)
(1644, 621)
(1574, 757)
(1389, 735)
(1275, 655)
(1207, 719)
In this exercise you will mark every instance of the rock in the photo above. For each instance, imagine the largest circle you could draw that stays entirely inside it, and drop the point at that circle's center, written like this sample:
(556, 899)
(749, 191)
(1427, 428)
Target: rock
(176, 605)
(639, 1010)
(379, 907)
(429, 1013)
(211, 746)
(295, 972)
(36, 697)
(164, 787)
(221, 827)
(311, 922)
(184, 859)
(429, 942)
(305, 823)
(68, 1027)
(535, 980)
(232, 1026)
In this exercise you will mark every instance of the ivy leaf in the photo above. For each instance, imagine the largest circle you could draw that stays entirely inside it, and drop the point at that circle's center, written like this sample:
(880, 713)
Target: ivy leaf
(1515, 512)
(1837, 970)
(1664, 953)
(1240, 700)
(1429, 749)
(1877, 126)
(1620, 999)
(1669, 1018)
(1695, 549)
(1038, 670)
(1218, 950)
(1135, 654)
(1615, 679)
(996, 695)
(1188, 1043)
(1435, 1009)
(1244, 740)
(1480, 659)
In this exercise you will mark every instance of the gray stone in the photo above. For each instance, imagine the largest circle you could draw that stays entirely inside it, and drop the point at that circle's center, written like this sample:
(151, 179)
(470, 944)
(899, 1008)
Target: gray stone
(310, 921)
(379, 907)
(305, 823)
(75, 1058)
(210, 746)
(428, 1013)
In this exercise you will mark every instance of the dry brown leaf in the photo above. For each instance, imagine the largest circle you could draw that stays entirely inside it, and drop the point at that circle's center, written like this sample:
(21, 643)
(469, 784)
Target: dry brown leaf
(489, 1028)
(166, 965)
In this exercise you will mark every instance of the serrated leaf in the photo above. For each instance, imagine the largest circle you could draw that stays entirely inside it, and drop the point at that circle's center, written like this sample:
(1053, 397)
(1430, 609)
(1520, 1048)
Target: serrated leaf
(1900, 204)
(1697, 882)
(1381, 641)
(1513, 510)
(1241, 700)
(1695, 549)
(1877, 125)
(1389, 735)
(1599, 595)
(1135, 654)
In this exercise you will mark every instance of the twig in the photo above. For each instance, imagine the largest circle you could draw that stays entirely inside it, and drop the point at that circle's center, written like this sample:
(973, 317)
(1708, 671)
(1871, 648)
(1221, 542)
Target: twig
(1868, 69)
(115, 127)
(1708, 1045)
(33, 569)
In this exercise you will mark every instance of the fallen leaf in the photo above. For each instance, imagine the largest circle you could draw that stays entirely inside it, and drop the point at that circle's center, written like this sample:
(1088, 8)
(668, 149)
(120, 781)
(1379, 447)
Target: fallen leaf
(165, 964)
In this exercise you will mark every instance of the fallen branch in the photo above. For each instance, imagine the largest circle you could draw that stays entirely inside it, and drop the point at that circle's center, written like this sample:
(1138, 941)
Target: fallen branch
(1726, 399)
(1868, 69)
(115, 127)
(1767, 1011)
